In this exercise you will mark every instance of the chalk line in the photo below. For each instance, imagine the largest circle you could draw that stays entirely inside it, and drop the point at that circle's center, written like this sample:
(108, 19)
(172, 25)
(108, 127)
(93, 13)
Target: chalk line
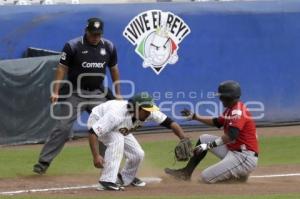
(148, 180)
(276, 175)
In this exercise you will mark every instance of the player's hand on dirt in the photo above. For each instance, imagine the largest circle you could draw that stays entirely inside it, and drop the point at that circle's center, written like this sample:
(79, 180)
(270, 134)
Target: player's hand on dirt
(99, 161)
(200, 148)
(189, 115)
(54, 97)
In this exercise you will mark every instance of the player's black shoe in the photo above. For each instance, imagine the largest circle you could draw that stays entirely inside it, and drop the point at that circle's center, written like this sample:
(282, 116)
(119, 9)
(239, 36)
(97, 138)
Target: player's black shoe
(109, 186)
(40, 168)
(179, 174)
(136, 181)
(120, 180)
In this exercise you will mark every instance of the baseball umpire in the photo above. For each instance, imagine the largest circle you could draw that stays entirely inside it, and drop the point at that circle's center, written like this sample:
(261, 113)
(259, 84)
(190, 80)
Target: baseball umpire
(113, 123)
(237, 148)
(84, 60)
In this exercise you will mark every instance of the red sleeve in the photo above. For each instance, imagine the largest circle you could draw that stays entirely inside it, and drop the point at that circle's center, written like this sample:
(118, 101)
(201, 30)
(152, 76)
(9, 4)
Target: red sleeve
(237, 119)
(221, 120)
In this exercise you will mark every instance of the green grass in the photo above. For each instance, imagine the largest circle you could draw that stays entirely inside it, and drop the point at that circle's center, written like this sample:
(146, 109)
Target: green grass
(163, 197)
(18, 161)
(280, 150)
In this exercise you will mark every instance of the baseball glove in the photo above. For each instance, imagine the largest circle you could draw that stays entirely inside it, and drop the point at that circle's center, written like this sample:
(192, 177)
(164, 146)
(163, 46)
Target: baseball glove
(189, 115)
(184, 150)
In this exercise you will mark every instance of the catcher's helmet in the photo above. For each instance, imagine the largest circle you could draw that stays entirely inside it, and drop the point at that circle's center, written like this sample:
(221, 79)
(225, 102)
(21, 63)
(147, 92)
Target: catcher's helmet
(229, 89)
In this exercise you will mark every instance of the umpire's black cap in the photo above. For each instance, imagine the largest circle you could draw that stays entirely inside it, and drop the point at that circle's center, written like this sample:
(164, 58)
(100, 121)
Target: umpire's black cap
(94, 26)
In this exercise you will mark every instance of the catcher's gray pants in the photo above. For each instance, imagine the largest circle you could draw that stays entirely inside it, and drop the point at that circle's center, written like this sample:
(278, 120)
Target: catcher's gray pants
(233, 164)
(60, 134)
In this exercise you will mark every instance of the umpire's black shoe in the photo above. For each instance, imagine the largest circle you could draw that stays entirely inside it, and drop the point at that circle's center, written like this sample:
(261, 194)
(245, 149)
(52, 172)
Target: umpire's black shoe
(109, 186)
(40, 168)
(179, 174)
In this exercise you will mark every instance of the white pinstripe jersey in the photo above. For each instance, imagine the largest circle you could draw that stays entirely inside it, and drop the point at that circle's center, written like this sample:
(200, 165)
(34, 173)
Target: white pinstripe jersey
(113, 115)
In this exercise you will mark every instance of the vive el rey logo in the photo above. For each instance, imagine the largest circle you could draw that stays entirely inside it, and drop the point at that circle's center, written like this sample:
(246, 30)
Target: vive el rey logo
(156, 35)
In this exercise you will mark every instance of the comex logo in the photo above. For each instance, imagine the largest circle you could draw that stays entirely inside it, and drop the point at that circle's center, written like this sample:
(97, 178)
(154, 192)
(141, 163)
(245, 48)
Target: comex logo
(156, 35)
(92, 65)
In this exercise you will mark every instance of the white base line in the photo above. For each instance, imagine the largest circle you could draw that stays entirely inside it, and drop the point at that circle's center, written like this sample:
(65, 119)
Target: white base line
(277, 175)
(149, 180)
(48, 189)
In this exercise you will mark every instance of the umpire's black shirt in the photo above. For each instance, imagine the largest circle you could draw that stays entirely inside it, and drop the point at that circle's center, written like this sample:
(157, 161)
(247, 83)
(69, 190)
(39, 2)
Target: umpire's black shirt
(81, 57)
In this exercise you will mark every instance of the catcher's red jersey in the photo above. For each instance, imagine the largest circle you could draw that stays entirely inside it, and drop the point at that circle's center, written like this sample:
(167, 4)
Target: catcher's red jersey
(238, 116)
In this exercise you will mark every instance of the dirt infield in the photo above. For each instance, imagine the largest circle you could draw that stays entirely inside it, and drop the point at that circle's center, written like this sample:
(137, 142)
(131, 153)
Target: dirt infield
(169, 186)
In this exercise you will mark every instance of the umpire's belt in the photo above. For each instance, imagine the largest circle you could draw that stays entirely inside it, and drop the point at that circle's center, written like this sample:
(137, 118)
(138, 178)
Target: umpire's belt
(249, 152)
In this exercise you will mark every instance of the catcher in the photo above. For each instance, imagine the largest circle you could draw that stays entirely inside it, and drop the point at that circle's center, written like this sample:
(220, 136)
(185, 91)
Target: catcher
(112, 123)
(237, 148)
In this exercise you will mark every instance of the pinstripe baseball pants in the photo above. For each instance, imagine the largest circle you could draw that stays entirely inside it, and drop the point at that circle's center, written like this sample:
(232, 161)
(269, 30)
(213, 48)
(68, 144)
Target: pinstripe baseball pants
(118, 145)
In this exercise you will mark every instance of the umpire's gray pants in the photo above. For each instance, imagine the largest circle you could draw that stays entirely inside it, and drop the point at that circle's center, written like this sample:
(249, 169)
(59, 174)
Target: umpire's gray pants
(60, 134)
(233, 164)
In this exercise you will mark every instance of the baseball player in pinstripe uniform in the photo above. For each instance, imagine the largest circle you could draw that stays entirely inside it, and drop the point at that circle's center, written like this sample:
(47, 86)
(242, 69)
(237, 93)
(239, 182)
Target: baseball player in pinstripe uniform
(112, 123)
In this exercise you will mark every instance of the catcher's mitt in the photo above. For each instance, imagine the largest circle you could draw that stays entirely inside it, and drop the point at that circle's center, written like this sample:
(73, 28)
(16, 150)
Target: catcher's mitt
(184, 150)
